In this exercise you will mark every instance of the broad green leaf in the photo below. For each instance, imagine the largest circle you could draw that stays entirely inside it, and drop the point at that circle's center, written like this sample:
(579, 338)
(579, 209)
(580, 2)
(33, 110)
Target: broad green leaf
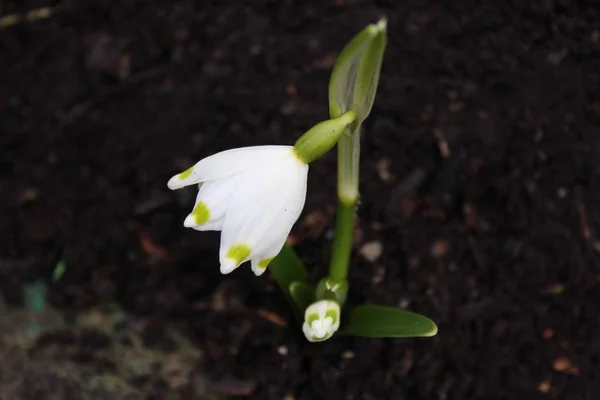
(302, 294)
(286, 269)
(381, 321)
(355, 75)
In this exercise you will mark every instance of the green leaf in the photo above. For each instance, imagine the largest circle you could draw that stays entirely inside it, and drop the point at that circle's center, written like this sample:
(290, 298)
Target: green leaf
(355, 75)
(302, 294)
(381, 321)
(287, 268)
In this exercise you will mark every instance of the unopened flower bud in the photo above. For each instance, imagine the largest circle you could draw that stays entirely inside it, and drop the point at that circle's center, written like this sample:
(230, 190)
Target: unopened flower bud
(321, 320)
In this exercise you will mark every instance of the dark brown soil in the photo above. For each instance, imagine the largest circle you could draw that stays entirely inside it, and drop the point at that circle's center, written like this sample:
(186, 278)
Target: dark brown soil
(480, 179)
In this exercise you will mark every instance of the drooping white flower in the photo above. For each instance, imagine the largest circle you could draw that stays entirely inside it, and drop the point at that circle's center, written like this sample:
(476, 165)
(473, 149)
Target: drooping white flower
(253, 195)
(321, 320)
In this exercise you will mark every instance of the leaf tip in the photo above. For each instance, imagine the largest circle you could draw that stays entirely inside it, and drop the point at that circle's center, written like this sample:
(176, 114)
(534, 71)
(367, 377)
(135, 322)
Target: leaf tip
(433, 331)
(381, 25)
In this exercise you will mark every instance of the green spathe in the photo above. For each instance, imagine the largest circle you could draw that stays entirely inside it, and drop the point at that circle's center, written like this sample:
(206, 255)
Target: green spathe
(321, 138)
(353, 86)
(355, 75)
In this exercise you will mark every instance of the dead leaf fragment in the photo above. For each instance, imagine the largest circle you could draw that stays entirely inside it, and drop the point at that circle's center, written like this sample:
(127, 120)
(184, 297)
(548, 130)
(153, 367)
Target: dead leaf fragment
(271, 317)
(151, 248)
(233, 387)
(440, 248)
(548, 333)
(563, 364)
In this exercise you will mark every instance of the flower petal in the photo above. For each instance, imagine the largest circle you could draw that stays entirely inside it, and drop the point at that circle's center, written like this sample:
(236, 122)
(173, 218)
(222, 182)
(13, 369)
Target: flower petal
(272, 242)
(227, 163)
(262, 211)
(211, 204)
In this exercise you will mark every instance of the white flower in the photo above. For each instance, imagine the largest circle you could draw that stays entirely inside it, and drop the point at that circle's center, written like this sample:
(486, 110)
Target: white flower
(253, 195)
(321, 320)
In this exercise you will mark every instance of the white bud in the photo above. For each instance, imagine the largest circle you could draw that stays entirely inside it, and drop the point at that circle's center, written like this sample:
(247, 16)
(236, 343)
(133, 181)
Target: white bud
(321, 320)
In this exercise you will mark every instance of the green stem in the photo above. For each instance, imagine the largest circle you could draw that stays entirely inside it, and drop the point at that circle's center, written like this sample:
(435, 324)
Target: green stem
(348, 162)
(342, 243)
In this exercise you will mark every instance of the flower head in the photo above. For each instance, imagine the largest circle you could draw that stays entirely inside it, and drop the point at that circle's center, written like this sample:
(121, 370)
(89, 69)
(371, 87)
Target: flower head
(253, 195)
(321, 320)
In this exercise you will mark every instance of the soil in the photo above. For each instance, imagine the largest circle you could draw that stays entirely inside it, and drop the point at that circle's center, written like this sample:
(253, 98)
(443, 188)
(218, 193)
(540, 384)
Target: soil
(480, 186)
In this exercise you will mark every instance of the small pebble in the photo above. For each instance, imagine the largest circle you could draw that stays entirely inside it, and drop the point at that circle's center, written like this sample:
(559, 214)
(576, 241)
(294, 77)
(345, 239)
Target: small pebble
(557, 288)
(562, 192)
(29, 195)
(440, 248)
(371, 251)
(544, 386)
(383, 170)
(456, 106)
(282, 350)
(291, 90)
(348, 355)
(563, 364)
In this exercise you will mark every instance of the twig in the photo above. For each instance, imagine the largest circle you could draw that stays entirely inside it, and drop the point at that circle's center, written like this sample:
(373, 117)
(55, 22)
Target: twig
(585, 229)
(442, 143)
(586, 232)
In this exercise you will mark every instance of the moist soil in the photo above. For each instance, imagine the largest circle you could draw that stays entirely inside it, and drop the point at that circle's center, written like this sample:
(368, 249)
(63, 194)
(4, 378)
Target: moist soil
(480, 198)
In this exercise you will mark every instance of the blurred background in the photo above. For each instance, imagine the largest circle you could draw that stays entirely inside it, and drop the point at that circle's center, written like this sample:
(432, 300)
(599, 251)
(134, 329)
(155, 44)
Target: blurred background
(480, 200)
